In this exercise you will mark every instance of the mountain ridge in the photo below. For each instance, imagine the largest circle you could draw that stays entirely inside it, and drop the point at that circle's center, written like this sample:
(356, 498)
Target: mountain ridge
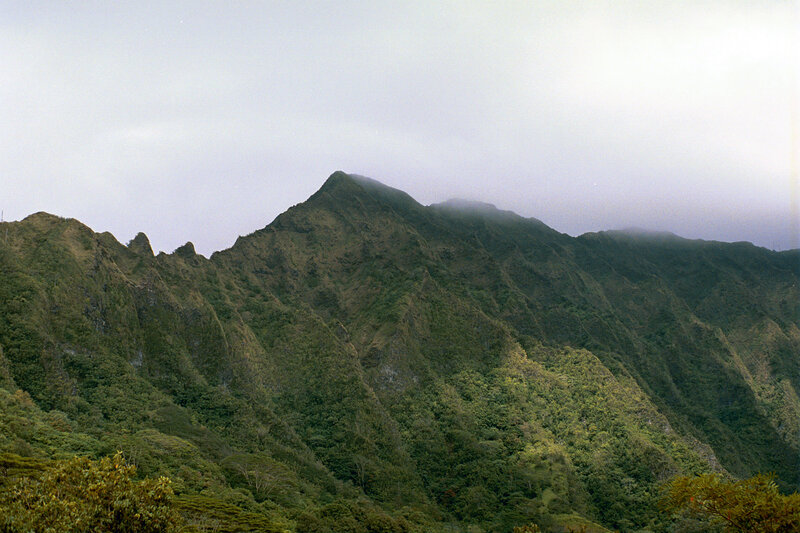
(478, 370)
(456, 204)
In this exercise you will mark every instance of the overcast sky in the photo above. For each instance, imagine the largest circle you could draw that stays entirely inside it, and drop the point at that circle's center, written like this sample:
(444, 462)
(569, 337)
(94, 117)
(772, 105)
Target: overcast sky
(203, 121)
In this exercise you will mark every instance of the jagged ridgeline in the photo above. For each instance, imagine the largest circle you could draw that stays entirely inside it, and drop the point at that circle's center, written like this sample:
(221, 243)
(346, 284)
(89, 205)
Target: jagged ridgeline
(365, 363)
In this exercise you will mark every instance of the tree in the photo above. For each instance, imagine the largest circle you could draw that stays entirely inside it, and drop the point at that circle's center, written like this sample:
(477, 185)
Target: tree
(265, 476)
(748, 505)
(79, 495)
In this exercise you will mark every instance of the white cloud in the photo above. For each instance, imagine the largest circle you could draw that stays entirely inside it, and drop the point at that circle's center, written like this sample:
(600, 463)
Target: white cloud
(151, 117)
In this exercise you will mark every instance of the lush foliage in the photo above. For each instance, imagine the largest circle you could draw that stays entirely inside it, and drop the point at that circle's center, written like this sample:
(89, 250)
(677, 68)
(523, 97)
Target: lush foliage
(753, 505)
(79, 495)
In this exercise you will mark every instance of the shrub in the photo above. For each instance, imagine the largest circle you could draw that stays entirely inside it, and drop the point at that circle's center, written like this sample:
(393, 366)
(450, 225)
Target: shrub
(749, 505)
(79, 495)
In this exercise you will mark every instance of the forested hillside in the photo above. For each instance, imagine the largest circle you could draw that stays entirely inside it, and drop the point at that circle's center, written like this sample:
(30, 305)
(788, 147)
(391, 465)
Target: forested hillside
(365, 363)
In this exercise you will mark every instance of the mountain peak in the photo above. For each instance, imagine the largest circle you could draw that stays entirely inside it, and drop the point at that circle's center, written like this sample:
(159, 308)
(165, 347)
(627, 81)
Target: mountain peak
(635, 231)
(463, 203)
(343, 187)
(470, 206)
(186, 251)
(343, 179)
(476, 209)
(43, 219)
(639, 234)
(337, 183)
(41, 216)
(141, 245)
(336, 178)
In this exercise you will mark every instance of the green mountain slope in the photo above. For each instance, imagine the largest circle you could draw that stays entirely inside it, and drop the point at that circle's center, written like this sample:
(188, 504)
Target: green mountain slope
(366, 363)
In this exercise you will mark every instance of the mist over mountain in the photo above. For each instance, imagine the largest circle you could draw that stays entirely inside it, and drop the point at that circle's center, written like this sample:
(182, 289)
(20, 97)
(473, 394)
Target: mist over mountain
(366, 363)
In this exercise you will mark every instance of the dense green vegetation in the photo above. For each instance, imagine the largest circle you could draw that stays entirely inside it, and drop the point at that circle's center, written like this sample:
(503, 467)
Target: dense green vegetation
(368, 364)
(81, 495)
(751, 505)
